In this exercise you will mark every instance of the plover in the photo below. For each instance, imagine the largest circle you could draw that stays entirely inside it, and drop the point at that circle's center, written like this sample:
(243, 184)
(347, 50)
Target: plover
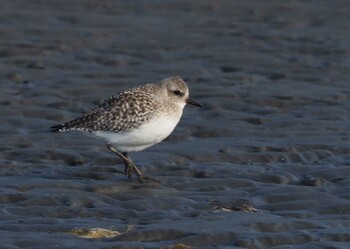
(135, 119)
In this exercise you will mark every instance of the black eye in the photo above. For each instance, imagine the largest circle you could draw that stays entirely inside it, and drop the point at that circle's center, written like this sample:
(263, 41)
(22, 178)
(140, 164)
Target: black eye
(177, 92)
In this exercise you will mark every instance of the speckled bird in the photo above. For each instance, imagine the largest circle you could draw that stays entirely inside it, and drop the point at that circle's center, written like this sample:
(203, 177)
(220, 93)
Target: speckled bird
(135, 119)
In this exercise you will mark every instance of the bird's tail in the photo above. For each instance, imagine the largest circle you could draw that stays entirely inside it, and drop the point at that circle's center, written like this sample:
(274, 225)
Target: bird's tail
(56, 128)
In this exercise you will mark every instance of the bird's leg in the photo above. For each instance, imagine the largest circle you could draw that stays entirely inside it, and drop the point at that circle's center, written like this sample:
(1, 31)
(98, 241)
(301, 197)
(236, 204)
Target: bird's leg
(138, 171)
(129, 165)
(121, 156)
(124, 156)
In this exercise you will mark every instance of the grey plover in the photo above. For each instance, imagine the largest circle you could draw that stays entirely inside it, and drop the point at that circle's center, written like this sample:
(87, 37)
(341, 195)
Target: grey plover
(135, 119)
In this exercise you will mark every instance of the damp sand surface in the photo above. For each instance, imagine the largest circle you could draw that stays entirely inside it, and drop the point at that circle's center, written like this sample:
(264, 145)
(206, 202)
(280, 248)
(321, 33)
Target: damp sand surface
(265, 164)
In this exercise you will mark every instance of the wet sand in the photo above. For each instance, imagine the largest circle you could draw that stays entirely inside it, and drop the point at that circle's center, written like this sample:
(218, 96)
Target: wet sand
(266, 163)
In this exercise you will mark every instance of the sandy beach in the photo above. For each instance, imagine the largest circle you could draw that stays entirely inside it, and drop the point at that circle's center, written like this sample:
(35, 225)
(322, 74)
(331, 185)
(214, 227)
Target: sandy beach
(265, 163)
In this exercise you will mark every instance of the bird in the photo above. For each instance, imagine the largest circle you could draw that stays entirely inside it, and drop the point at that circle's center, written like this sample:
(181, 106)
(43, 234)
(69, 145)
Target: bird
(135, 119)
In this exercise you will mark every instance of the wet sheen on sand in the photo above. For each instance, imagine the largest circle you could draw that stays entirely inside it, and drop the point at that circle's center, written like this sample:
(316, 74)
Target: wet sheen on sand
(264, 165)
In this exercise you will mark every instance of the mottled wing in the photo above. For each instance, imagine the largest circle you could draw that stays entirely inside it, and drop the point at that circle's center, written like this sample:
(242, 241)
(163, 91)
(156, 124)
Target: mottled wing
(119, 113)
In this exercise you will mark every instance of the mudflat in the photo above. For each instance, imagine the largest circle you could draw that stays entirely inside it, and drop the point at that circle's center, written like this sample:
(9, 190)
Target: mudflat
(265, 164)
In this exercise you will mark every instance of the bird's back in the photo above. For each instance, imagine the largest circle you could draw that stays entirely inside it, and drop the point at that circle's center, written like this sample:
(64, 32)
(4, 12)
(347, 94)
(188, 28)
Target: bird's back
(119, 113)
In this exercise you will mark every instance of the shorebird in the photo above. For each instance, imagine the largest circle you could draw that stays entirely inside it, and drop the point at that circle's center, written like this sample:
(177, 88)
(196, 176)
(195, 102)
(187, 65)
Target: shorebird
(135, 119)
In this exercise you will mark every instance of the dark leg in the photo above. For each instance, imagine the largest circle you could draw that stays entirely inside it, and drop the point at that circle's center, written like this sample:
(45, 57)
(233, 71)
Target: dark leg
(129, 165)
(128, 169)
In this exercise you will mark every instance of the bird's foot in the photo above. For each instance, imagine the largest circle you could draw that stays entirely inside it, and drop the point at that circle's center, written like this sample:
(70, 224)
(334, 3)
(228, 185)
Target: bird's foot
(141, 177)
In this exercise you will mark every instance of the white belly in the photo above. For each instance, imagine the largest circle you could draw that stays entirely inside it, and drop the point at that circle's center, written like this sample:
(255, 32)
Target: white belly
(143, 137)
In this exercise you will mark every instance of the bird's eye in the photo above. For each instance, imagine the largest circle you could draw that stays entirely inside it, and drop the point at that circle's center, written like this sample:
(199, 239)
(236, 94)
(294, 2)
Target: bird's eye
(177, 92)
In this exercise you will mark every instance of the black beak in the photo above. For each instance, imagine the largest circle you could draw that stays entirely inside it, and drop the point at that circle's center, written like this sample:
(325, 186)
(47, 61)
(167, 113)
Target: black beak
(190, 101)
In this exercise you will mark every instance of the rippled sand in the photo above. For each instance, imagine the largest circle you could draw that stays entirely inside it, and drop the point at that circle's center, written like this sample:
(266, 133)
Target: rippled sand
(266, 163)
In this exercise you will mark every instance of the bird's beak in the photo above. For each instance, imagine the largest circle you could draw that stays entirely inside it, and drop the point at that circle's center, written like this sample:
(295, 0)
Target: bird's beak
(190, 101)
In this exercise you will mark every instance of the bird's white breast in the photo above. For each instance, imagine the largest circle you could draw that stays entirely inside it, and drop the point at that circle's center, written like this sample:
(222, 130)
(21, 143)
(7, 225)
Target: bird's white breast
(144, 136)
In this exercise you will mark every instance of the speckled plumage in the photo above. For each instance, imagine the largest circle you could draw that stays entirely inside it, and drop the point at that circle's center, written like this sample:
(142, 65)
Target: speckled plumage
(121, 112)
